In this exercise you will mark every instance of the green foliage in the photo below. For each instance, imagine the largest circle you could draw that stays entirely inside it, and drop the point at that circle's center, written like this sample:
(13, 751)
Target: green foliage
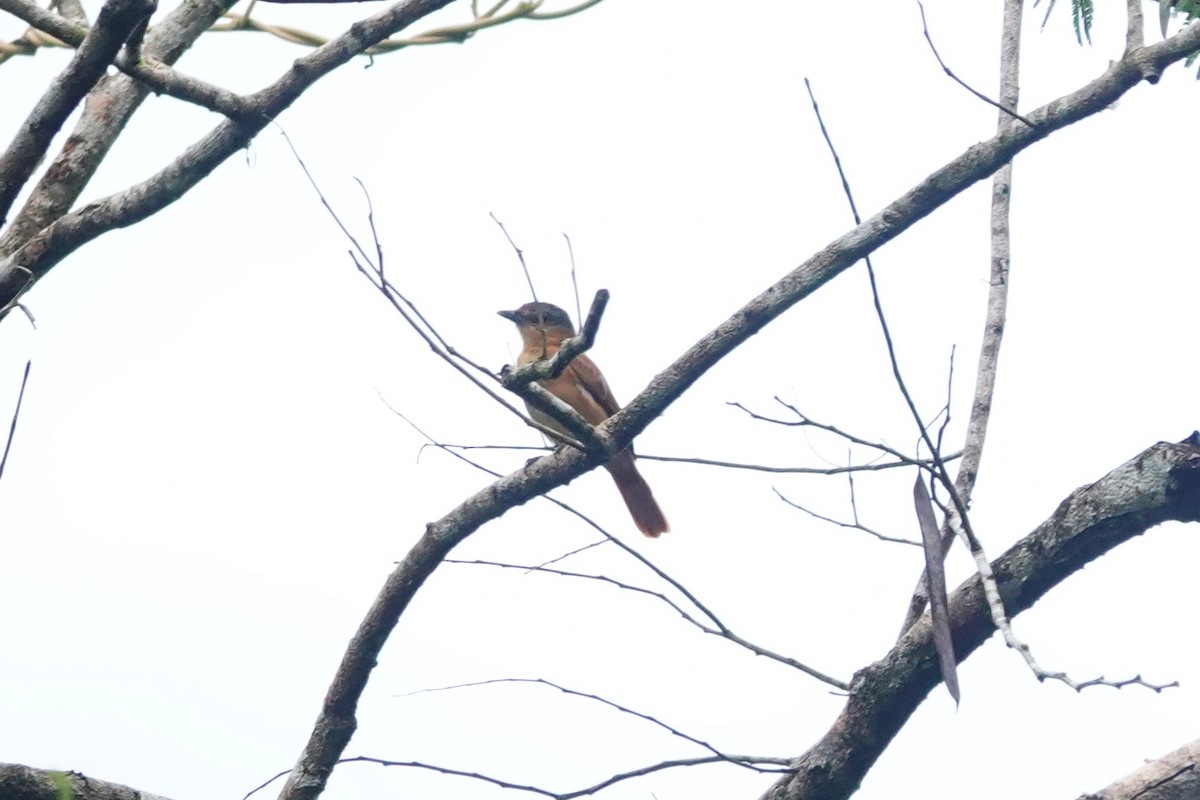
(1081, 17)
(1082, 11)
(1191, 8)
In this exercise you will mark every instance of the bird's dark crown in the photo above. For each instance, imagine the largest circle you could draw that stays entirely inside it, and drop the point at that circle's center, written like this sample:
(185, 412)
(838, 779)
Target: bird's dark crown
(543, 315)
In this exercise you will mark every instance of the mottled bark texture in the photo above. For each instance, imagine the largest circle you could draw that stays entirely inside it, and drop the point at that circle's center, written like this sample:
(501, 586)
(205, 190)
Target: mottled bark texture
(18, 782)
(1159, 485)
(1175, 776)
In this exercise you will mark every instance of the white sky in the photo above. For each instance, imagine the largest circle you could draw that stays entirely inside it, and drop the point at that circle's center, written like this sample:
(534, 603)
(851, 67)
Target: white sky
(206, 491)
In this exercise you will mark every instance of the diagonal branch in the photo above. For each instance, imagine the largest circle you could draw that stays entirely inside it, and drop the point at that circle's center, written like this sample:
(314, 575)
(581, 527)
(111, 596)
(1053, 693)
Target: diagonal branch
(18, 782)
(720, 630)
(603, 701)
(1160, 484)
(1175, 776)
(117, 19)
(106, 112)
(65, 234)
(337, 720)
(156, 75)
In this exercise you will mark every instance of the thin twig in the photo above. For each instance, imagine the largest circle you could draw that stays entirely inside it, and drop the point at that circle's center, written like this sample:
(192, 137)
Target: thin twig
(721, 630)
(574, 552)
(599, 699)
(12, 426)
(959, 521)
(712, 462)
(804, 421)
(520, 255)
(407, 310)
(997, 302)
(574, 278)
(856, 525)
(1010, 111)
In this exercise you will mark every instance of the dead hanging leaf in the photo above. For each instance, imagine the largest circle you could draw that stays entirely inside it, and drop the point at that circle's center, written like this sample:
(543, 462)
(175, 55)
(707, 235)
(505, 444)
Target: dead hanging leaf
(938, 602)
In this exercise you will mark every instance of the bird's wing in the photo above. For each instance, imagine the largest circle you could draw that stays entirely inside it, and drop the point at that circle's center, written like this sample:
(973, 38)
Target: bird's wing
(588, 376)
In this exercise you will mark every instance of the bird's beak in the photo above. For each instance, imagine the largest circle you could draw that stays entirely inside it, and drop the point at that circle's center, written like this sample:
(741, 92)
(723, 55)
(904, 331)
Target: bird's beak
(510, 315)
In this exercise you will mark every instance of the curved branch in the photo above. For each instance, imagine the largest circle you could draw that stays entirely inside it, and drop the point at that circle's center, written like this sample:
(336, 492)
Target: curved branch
(1175, 776)
(18, 782)
(116, 22)
(106, 112)
(336, 722)
(1160, 484)
(42, 250)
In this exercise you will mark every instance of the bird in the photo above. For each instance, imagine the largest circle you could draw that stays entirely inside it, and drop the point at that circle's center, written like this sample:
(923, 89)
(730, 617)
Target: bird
(543, 328)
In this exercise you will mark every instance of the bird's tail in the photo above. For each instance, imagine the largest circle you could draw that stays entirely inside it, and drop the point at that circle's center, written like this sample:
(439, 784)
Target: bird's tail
(637, 495)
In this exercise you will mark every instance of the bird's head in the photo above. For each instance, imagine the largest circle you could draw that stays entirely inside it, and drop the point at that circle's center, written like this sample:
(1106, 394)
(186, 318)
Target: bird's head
(541, 317)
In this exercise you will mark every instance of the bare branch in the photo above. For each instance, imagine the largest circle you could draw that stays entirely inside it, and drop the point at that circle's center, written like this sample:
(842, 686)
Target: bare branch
(1135, 26)
(520, 255)
(590, 790)
(108, 109)
(12, 426)
(848, 469)
(449, 34)
(804, 421)
(19, 782)
(997, 303)
(712, 462)
(116, 21)
(70, 231)
(1175, 776)
(336, 721)
(1162, 483)
(856, 525)
(373, 269)
(1010, 110)
(574, 279)
(721, 630)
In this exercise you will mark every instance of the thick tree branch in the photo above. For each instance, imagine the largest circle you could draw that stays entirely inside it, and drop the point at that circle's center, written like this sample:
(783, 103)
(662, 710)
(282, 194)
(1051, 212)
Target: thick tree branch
(107, 110)
(116, 21)
(67, 233)
(1175, 776)
(50, 245)
(336, 721)
(157, 76)
(1160, 484)
(977, 163)
(18, 782)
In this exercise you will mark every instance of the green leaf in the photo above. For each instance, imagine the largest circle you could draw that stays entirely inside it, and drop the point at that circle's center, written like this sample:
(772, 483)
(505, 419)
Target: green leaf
(1081, 16)
(1049, 8)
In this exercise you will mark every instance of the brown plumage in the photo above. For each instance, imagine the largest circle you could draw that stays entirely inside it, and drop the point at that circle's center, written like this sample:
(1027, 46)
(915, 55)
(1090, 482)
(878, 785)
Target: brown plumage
(544, 327)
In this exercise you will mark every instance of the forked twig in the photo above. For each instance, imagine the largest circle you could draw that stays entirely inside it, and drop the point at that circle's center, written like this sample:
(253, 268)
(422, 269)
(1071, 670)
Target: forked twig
(604, 701)
(1011, 112)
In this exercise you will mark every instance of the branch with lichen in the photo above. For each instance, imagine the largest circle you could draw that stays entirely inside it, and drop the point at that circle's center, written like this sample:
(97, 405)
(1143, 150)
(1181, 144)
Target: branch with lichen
(39, 36)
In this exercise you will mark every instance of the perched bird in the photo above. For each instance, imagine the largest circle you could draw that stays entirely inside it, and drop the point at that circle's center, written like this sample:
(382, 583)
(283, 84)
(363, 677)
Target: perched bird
(544, 327)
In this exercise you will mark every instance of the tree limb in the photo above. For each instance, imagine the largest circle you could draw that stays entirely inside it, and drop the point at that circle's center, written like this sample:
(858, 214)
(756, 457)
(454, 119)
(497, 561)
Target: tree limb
(117, 19)
(336, 722)
(18, 782)
(1160, 484)
(106, 112)
(1175, 776)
